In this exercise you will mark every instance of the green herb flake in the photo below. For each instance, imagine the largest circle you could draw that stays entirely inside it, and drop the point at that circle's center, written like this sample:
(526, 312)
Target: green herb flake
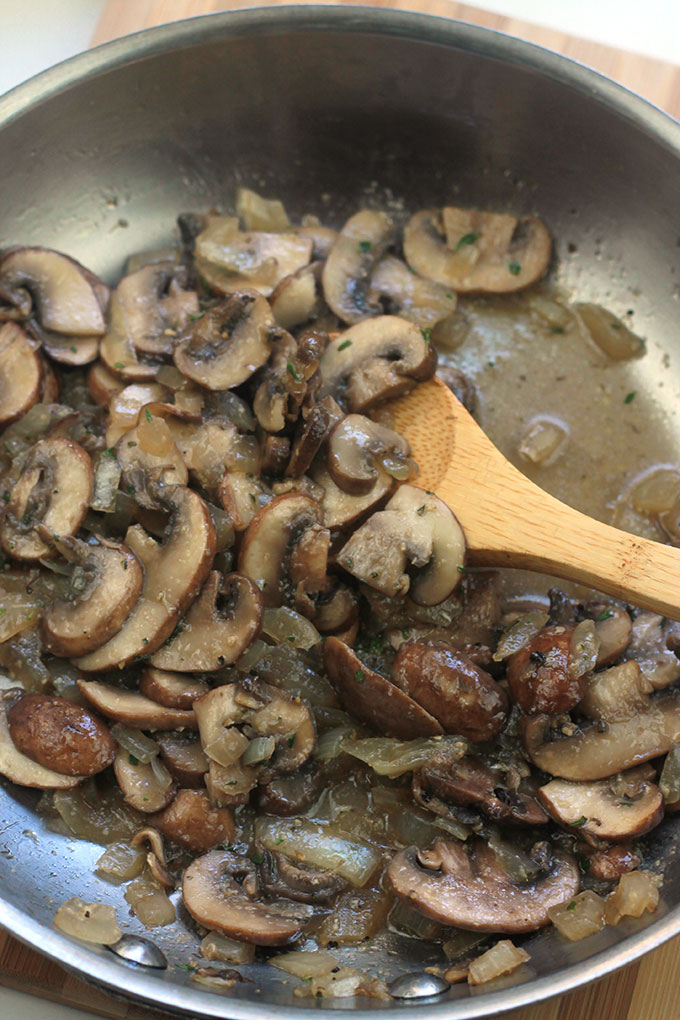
(195, 316)
(279, 841)
(2, 611)
(466, 239)
(421, 510)
(460, 568)
(572, 905)
(291, 371)
(5, 497)
(365, 246)
(147, 413)
(145, 640)
(253, 497)
(186, 966)
(557, 329)
(374, 574)
(344, 345)
(427, 335)
(375, 645)
(515, 268)
(257, 858)
(630, 397)
(579, 822)
(74, 348)
(449, 295)
(583, 862)
(131, 442)
(359, 676)
(626, 803)
(133, 760)
(291, 739)
(110, 453)
(606, 614)
(118, 364)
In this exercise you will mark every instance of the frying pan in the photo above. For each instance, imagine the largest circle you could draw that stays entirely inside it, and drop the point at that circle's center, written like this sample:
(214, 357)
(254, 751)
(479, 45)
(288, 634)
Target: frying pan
(328, 108)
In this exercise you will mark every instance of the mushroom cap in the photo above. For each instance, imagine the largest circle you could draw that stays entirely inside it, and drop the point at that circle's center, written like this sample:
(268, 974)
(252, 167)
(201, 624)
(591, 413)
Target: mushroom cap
(224, 620)
(134, 709)
(192, 822)
(156, 307)
(342, 509)
(216, 900)
(376, 360)
(20, 769)
(349, 265)
(228, 343)
(174, 690)
(295, 299)
(370, 697)
(184, 758)
(417, 299)
(68, 298)
(21, 373)
(60, 735)
(354, 444)
(471, 890)
(539, 674)
(280, 877)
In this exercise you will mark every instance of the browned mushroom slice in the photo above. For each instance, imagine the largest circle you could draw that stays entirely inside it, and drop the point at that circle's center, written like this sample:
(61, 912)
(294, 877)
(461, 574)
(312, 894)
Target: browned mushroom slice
(370, 697)
(616, 693)
(336, 608)
(144, 787)
(282, 388)
(184, 758)
(411, 296)
(355, 445)
(280, 877)
(50, 388)
(61, 736)
(471, 783)
(67, 297)
(193, 823)
(134, 709)
(271, 540)
(156, 306)
(53, 489)
(174, 574)
(347, 272)
(540, 675)
(415, 529)
(109, 583)
(67, 350)
(376, 360)
(469, 888)
(448, 684)
(482, 252)
(341, 509)
(21, 373)
(228, 343)
(229, 259)
(103, 386)
(171, 689)
(604, 812)
(311, 436)
(292, 793)
(295, 299)
(220, 890)
(593, 753)
(242, 497)
(223, 621)
(275, 454)
(20, 769)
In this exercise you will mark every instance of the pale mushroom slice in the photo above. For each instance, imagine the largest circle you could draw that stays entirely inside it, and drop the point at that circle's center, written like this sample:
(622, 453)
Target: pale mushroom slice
(135, 709)
(68, 350)
(322, 238)
(144, 788)
(258, 213)
(411, 296)
(370, 697)
(21, 373)
(64, 296)
(593, 753)
(346, 278)
(106, 583)
(53, 489)
(192, 822)
(117, 350)
(341, 509)
(174, 573)
(242, 497)
(221, 624)
(417, 530)
(616, 693)
(155, 307)
(469, 888)
(271, 541)
(605, 811)
(21, 769)
(374, 361)
(613, 628)
(471, 250)
(296, 298)
(355, 445)
(102, 385)
(174, 690)
(229, 343)
(220, 892)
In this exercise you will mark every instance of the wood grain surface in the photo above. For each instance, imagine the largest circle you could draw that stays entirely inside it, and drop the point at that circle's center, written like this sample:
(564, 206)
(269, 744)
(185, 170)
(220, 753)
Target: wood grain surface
(646, 990)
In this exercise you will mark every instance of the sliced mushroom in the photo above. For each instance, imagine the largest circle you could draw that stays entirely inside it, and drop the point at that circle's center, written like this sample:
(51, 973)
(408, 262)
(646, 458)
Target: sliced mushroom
(223, 621)
(213, 446)
(411, 296)
(193, 823)
(125, 405)
(539, 674)
(312, 435)
(134, 709)
(278, 397)
(292, 793)
(600, 812)
(106, 584)
(150, 447)
(616, 693)
(368, 696)
(484, 252)
(280, 877)
(464, 698)
(469, 888)
(220, 890)
(60, 735)
(270, 543)
(228, 259)
(102, 385)
(376, 360)
(242, 496)
(150, 839)
(649, 647)
(355, 444)
(65, 296)
(336, 608)
(613, 627)
(594, 753)
(141, 785)
(174, 573)
(156, 306)
(68, 350)
(53, 489)
(608, 865)
(228, 343)
(20, 769)
(275, 454)
(50, 388)
(415, 529)
(184, 758)
(171, 689)
(295, 299)
(21, 373)
(349, 266)
(341, 509)
(322, 238)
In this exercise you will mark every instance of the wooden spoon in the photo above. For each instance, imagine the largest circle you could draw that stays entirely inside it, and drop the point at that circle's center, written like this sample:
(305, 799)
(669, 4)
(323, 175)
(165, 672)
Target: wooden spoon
(509, 522)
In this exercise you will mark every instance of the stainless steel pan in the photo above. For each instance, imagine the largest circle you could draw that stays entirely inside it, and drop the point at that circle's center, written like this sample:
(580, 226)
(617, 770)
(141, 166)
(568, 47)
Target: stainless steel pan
(320, 106)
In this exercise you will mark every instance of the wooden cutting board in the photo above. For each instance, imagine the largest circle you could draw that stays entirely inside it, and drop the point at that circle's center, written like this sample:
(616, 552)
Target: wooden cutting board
(645, 990)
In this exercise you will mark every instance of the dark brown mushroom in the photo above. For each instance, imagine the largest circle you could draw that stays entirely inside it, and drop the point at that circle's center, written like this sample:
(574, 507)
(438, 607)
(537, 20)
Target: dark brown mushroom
(60, 735)
(193, 823)
(312, 434)
(184, 758)
(291, 793)
(539, 674)
(18, 767)
(280, 877)
(171, 689)
(158, 307)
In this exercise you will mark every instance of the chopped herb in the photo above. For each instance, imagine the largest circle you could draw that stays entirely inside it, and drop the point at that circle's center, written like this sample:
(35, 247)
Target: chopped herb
(257, 858)
(421, 510)
(344, 345)
(291, 739)
(491, 364)
(147, 413)
(110, 453)
(5, 496)
(449, 295)
(145, 640)
(376, 644)
(580, 821)
(348, 561)
(253, 497)
(405, 633)
(460, 568)
(186, 966)
(557, 329)
(583, 862)
(515, 268)
(291, 371)
(133, 760)
(232, 782)
(279, 841)
(572, 905)
(130, 490)
(118, 364)
(2, 611)
(195, 316)
(74, 348)
(629, 397)
(365, 246)
(124, 564)
(359, 676)
(131, 442)
(428, 492)
(225, 846)
(374, 573)
(605, 614)
(626, 803)
(427, 335)
(615, 325)
(466, 239)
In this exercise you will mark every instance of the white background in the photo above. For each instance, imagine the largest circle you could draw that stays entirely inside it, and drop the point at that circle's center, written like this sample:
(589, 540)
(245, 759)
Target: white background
(35, 34)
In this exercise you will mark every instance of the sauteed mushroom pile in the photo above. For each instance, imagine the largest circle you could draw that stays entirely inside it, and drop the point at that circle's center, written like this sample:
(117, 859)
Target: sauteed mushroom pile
(242, 647)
